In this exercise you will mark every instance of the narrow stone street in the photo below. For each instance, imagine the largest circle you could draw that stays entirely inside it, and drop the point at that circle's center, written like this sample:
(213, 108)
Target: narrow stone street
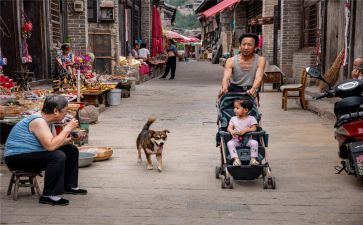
(302, 153)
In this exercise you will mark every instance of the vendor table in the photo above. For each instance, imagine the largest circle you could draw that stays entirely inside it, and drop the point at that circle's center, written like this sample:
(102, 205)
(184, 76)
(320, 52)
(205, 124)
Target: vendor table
(95, 97)
(272, 75)
(158, 67)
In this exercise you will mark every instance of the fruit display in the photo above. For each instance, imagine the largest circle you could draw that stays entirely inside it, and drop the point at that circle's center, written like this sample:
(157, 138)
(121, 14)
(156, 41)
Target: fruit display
(123, 61)
(36, 94)
(112, 78)
(11, 111)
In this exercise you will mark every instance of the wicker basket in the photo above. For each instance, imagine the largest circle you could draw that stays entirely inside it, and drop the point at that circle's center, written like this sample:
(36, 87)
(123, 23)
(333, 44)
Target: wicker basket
(332, 74)
(73, 106)
(10, 111)
(103, 153)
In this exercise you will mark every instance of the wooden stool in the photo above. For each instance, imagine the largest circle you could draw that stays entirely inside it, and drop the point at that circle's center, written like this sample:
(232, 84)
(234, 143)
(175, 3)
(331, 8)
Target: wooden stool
(29, 181)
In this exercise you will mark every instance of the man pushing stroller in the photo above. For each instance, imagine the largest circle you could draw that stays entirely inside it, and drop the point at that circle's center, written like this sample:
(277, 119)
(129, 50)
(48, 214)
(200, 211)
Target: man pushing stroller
(245, 70)
(243, 76)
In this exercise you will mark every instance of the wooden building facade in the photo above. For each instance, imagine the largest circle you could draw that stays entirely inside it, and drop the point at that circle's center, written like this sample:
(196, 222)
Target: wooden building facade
(15, 46)
(296, 34)
(108, 28)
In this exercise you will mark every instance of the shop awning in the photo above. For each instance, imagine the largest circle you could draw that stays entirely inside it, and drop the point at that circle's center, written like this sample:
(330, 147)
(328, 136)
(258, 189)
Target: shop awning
(219, 8)
(189, 40)
(172, 34)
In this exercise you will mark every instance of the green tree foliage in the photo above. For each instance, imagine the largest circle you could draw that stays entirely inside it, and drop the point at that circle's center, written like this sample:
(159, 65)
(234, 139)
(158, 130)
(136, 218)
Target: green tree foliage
(186, 21)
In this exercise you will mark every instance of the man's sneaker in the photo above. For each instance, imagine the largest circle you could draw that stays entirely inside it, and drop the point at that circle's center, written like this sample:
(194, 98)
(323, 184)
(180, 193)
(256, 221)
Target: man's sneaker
(162, 78)
(75, 191)
(254, 162)
(237, 162)
(48, 200)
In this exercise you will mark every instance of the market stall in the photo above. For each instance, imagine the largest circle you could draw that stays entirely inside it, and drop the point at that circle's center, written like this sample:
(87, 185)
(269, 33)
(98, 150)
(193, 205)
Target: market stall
(188, 47)
(158, 59)
(18, 99)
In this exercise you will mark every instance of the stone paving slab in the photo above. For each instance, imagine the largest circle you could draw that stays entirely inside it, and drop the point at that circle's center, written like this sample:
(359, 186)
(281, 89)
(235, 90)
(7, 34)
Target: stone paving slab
(302, 153)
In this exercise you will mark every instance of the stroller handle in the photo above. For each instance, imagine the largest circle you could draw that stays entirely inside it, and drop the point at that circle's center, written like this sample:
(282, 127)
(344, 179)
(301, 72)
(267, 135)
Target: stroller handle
(220, 96)
(249, 134)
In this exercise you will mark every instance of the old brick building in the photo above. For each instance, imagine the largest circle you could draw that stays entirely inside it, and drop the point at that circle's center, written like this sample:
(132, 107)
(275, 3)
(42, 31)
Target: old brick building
(25, 52)
(296, 33)
(108, 28)
(313, 33)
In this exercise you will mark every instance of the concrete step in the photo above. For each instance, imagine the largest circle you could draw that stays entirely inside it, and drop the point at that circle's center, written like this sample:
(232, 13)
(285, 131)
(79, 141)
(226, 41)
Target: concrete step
(323, 107)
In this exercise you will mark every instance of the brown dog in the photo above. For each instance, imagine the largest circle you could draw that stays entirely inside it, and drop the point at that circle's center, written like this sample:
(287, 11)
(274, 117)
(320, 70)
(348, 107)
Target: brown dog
(152, 142)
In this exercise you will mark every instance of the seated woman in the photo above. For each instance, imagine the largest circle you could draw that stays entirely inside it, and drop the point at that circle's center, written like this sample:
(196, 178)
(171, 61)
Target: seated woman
(135, 51)
(66, 60)
(32, 147)
(144, 53)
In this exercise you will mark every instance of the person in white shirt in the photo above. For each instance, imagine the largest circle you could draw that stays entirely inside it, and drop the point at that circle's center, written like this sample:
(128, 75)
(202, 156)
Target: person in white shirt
(144, 53)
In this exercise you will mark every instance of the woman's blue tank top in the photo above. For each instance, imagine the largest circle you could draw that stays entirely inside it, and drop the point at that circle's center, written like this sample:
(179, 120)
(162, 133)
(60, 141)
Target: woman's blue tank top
(21, 140)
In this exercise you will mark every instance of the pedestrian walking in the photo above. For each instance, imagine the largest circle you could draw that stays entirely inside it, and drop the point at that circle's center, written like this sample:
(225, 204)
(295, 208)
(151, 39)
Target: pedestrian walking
(171, 63)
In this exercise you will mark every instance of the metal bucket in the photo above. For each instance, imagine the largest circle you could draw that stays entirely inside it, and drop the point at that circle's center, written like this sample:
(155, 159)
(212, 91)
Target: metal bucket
(114, 96)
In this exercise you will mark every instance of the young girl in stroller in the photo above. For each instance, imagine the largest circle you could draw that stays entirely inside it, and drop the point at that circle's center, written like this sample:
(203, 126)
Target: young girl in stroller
(239, 125)
(242, 141)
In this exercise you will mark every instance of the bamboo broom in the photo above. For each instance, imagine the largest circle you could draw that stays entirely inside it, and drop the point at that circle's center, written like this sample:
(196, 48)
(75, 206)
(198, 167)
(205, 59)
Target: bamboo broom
(332, 75)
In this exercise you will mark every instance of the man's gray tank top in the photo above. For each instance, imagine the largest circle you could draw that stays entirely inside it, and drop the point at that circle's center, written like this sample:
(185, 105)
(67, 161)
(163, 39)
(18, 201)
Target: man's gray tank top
(242, 77)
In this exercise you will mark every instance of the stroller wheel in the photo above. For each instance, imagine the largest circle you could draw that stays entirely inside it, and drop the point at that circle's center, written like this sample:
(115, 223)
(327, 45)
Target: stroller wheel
(230, 186)
(272, 182)
(223, 184)
(264, 172)
(217, 172)
(265, 184)
(227, 183)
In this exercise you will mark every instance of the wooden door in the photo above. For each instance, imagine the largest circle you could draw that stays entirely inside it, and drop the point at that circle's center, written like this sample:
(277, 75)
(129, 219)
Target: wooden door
(334, 40)
(121, 20)
(101, 43)
(37, 43)
(9, 36)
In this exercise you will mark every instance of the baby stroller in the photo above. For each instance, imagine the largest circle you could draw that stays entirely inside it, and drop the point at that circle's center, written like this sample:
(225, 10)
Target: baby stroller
(246, 171)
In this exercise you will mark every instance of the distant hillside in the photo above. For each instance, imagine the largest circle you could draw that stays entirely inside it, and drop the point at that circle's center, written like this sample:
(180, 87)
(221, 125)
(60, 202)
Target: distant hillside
(184, 21)
(176, 2)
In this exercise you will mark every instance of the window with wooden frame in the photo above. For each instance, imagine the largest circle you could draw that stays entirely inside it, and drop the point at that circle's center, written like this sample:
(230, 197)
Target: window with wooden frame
(136, 22)
(55, 8)
(92, 10)
(310, 26)
(254, 9)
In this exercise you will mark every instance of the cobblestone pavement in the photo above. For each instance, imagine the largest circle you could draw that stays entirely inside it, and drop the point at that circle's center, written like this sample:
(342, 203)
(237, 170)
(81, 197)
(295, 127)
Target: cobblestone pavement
(302, 153)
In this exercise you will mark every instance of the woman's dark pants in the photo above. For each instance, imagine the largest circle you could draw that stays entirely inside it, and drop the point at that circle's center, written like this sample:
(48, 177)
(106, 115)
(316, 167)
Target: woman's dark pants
(61, 167)
(170, 64)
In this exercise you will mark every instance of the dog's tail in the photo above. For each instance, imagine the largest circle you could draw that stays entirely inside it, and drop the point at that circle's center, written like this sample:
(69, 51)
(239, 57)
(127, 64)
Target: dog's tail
(149, 122)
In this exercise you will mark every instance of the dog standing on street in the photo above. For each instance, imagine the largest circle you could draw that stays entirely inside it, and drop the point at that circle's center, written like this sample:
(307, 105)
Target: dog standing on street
(152, 142)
